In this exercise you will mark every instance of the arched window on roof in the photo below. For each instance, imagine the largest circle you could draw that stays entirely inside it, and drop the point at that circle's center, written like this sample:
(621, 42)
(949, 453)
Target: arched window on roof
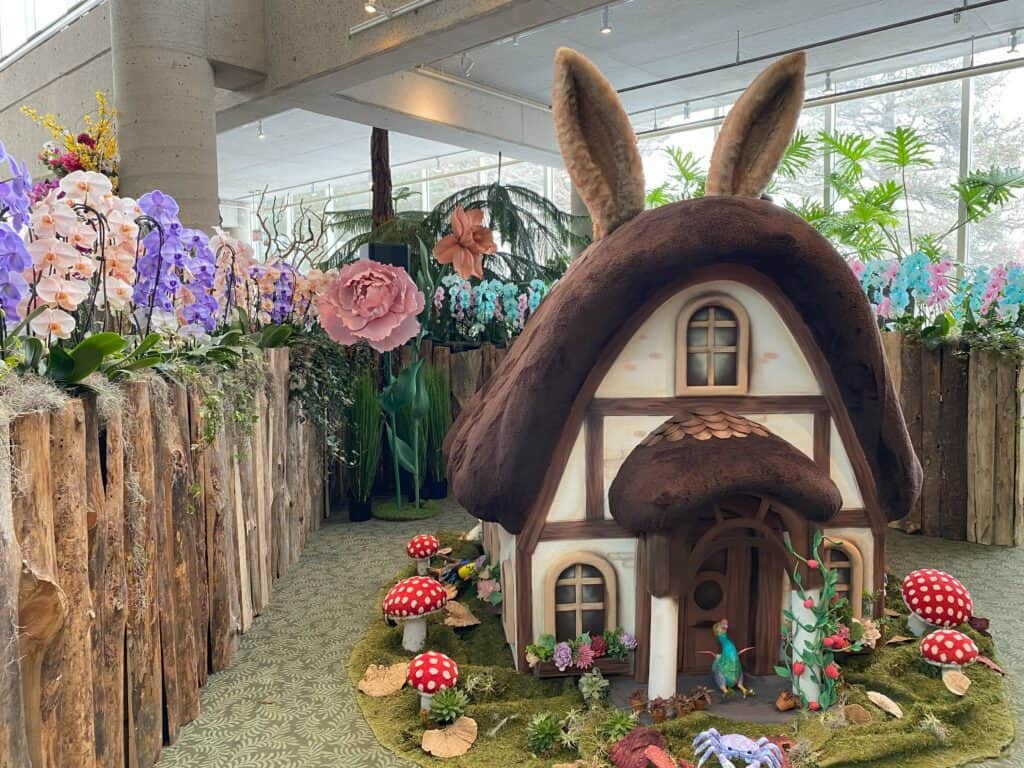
(712, 347)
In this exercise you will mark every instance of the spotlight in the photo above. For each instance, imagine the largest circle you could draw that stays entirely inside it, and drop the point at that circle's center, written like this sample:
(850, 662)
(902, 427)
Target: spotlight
(1013, 42)
(370, 6)
(606, 20)
(259, 130)
(686, 111)
(829, 88)
(467, 65)
(515, 40)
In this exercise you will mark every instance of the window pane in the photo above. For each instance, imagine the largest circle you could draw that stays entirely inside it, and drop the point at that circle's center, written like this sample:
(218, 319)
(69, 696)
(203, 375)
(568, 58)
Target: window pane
(565, 594)
(701, 314)
(721, 313)
(593, 593)
(593, 622)
(934, 113)
(725, 369)
(725, 337)
(590, 572)
(565, 625)
(568, 573)
(697, 337)
(707, 595)
(697, 370)
(998, 135)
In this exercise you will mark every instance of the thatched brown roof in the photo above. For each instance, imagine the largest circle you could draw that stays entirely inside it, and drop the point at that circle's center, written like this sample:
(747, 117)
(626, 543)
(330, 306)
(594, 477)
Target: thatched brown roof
(699, 458)
(503, 443)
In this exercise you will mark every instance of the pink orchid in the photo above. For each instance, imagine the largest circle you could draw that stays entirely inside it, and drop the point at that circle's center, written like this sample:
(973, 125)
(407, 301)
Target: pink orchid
(50, 254)
(465, 247)
(66, 294)
(53, 322)
(371, 301)
(857, 267)
(85, 187)
(884, 308)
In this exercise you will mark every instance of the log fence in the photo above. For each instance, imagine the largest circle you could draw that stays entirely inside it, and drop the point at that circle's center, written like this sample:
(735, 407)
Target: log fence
(135, 553)
(964, 411)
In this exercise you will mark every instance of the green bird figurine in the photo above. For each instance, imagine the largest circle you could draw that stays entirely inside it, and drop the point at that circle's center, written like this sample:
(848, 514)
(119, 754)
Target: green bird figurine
(727, 668)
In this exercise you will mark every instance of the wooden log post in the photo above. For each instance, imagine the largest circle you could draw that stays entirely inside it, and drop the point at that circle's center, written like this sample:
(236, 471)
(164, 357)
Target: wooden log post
(1007, 427)
(465, 377)
(264, 494)
(42, 606)
(144, 722)
(240, 501)
(13, 742)
(192, 434)
(166, 599)
(221, 574)
(278, 427)
(952, 439)
(72, 653)
(911, 399)
(981, 446)
(104, 460)
(488, 362)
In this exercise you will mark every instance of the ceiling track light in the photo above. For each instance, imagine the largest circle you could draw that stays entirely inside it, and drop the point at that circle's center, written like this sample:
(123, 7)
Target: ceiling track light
(259, 130)
(515, 40)
(467, 64)
(829, 88)
(606, 20)
(371, 7)
(1013, 42)
(686, 111)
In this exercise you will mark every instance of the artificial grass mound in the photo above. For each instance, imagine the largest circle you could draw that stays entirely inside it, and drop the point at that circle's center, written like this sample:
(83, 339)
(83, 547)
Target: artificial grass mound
(938, 730)
(388, 510)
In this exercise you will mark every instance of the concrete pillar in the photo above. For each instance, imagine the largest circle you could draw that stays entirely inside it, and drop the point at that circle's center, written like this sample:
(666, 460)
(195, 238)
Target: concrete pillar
(164, 94)
(802, 639)
(664, 642)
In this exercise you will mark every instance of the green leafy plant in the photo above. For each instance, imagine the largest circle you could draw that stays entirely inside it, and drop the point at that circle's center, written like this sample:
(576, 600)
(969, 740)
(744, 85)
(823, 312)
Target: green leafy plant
(363, 438)
(69, 366)
(543, 733)
(481, 685)
(448, 705)
(593, 687)
(439, 419)
(617, 725)
(405, 392)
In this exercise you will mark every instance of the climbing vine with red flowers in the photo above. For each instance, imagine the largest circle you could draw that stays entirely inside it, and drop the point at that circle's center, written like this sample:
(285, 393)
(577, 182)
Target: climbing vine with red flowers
(828, 634)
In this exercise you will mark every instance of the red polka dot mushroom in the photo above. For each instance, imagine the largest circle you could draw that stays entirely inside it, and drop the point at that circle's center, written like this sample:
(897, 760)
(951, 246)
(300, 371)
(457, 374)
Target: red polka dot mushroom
(411, 601)
(429, 673)
(421, 548)
(935, 599)
(951, 650)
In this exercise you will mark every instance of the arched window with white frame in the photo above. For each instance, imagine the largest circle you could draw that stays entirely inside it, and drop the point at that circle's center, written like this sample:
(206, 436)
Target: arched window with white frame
(580, 595)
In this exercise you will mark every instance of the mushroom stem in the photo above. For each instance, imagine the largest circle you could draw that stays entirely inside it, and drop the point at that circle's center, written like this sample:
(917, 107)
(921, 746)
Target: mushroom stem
(425, 699)
(414, 634)
(422, 564)
(917, 625)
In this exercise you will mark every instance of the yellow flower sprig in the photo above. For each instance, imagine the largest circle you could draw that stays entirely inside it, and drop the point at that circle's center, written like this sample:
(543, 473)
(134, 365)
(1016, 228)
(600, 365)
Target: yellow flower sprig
(101, 127)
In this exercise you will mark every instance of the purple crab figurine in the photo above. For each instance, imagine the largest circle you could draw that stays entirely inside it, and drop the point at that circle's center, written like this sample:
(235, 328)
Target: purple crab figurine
(735, 746)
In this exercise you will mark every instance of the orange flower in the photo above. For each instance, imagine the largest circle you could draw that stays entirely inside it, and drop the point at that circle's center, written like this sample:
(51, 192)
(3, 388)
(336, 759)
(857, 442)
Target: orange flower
(465, 247)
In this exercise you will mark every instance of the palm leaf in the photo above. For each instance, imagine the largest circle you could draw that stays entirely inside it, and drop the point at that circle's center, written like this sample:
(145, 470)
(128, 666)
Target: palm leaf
(982, 192)
(850, 151)
(797, 158)
(903, 148)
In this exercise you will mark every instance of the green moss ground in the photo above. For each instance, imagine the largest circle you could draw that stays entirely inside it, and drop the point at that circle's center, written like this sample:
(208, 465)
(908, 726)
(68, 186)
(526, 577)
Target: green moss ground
(386, 509)
(978, 726)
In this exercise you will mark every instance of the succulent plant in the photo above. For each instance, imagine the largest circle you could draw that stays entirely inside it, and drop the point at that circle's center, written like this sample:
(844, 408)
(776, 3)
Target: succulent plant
(593, 687)
(543, 732)
(480, 685)
(617, 725)
(448, 705)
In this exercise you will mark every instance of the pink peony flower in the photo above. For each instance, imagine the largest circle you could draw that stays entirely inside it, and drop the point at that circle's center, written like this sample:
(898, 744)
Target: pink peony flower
(371, 301)
(86, 139)
(466, 245)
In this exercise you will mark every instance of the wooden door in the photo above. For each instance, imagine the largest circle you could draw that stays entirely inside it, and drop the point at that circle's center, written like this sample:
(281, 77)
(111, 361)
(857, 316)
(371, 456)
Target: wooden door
(725, 587)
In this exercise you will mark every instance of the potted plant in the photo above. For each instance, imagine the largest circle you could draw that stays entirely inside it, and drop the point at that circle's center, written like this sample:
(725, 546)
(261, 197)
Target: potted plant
(638, 701)
(363, 443)
(700, 698)
(438, 422)
(658, 707)
(683, 705)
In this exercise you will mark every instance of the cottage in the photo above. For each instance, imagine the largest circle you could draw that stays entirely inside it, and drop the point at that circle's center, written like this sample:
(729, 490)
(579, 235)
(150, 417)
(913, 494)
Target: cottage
(706, 381)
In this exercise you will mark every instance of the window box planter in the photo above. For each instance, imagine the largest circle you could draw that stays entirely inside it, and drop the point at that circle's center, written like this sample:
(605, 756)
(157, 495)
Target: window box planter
(608, 667)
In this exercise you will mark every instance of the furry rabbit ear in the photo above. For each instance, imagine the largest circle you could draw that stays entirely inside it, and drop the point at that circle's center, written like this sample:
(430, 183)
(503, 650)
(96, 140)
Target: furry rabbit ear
(597, 142)
(758, 129)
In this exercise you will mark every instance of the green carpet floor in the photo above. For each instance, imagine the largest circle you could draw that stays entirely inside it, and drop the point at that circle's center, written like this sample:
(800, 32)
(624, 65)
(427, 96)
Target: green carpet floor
(286, 701)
